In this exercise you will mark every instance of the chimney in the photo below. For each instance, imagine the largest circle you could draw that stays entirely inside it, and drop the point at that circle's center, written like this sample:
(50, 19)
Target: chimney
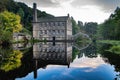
(68, 15)
(34, 12)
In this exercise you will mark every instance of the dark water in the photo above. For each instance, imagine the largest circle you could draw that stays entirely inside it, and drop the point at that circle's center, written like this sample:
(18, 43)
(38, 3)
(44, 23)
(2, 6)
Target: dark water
(59, 61)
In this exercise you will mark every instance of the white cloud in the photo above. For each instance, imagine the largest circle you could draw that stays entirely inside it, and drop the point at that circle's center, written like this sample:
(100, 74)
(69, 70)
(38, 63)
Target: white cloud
(88, 62)
(106, 5)
(85, 13)
(41, 3)
(83, 10)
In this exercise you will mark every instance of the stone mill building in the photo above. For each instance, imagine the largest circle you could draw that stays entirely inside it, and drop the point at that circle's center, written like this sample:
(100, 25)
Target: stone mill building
(55, 28)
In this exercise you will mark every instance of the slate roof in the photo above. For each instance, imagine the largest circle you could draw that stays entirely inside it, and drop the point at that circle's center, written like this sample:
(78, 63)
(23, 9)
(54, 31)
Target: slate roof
(61, 18)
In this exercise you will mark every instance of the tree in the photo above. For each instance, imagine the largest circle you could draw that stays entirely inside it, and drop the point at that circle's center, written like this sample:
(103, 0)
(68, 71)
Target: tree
(89, 28)
(75, 27)
(80, 24)
(12, 59)
(10, 22)
(110, 29)
(2, 6)
(21, 13)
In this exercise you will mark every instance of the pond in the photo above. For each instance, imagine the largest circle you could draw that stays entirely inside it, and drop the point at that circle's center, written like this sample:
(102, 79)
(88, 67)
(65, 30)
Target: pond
(58, 61)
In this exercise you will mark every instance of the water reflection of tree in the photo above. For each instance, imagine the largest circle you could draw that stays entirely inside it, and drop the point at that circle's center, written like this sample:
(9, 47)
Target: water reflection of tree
(94, 49)
(112, 58)
(90, 51)
(11, 59)
(21, 71)
(75, 53)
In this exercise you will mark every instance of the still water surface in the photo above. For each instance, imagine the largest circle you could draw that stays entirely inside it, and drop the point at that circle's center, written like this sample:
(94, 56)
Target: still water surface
(62, 61)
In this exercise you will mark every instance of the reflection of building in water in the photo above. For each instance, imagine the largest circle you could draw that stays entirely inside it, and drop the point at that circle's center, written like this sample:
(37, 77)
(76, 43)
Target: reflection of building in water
(21, 46)
(20, 36)
(58, 54)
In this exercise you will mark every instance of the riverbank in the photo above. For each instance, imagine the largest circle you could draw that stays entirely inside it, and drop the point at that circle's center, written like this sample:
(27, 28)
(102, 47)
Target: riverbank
(112, 42)
(115, 48)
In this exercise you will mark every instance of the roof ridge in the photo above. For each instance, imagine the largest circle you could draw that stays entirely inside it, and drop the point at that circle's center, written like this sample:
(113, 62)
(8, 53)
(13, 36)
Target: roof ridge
(59, 18)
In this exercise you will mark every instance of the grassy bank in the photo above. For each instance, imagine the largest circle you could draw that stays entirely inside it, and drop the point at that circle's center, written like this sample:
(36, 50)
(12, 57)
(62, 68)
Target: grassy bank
(115, 49)
(116, 45)
(113, 42)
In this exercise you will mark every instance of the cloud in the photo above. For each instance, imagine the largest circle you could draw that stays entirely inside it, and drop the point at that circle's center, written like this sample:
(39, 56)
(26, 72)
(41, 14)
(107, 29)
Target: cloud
(88, 62)
(105, 5)
(41, 3)
(44, 3)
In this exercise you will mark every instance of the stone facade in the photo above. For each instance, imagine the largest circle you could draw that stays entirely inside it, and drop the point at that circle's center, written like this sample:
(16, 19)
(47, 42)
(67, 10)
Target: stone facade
(54, 28)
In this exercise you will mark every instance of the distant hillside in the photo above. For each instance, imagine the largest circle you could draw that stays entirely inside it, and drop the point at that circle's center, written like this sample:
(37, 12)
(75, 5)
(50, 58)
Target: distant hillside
(23, 10)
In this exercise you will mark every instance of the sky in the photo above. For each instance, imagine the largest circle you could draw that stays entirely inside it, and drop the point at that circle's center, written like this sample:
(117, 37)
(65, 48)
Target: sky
(82, 10)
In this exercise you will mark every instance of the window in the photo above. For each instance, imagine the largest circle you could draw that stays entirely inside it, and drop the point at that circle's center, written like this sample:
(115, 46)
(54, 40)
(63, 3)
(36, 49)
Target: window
(62, 31)
(62, 24)
(52, 24)
(40, 32)
(49, 31)
(58, 31)
(47, 24)
(45, 31)
(56, 23)
(53, 32)
(40, 24)
(43, 24)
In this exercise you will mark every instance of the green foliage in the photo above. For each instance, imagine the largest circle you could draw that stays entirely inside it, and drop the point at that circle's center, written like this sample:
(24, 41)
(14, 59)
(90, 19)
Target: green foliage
(21, 13)
(75, 27)
(110, 29)
(11, 59)
(2, 5)
(24, 30)
(115, 49)
(112, 42)
(89, 28)
(82, 40)
(75, 53)
(10, 22)
(115, 45)
(6, 36)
